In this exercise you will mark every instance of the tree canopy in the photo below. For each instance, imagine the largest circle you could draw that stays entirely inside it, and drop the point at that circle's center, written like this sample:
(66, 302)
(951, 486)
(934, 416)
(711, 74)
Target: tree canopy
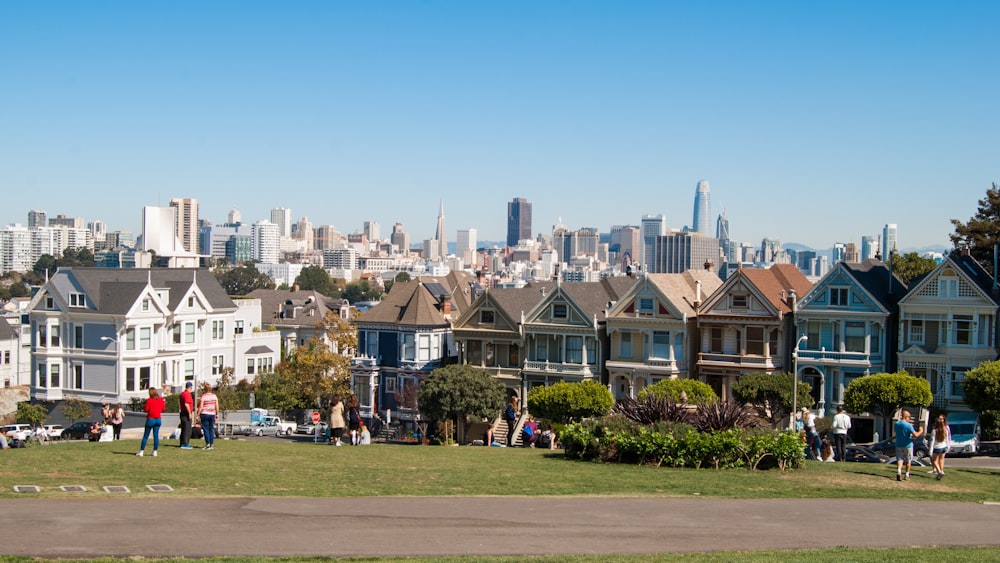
(770, 394)
(361, 291)
(910, 266)
(243, 280)
(982, 387)
(566, 402)
(33, 414)
(75, 409)
(982, 230)
(885, 393)
(696, 392)
(310, 372)
(315, 278)
(460, 393)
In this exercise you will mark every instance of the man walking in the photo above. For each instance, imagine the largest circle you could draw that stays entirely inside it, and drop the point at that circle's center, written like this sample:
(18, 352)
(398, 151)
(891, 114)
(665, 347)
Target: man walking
(905, 433)
(187, 410)
(841, 424)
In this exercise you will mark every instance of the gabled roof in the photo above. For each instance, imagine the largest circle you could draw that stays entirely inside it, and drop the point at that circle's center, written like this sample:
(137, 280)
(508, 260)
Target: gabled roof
(410, 303)
(115, 291)
(681, 290)
(872, 276)
(7, 332)
(968, 268)
(275, 302)
(510, 303)
(774, 282)
(593, 299)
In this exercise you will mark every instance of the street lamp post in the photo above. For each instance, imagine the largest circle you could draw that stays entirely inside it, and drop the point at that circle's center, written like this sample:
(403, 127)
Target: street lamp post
(795, 380)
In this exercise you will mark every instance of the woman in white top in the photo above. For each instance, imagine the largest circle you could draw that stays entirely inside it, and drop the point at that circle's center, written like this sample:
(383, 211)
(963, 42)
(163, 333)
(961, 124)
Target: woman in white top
(940, 442)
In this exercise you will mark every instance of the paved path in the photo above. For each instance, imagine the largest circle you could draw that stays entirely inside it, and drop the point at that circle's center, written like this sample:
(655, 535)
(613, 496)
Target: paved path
(338, 527)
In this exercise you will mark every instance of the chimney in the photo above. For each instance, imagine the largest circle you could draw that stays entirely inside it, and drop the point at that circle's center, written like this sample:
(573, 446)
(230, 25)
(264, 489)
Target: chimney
(445, 305)
(966, 251)
(791, 299)
(697, 294)
(295, 287)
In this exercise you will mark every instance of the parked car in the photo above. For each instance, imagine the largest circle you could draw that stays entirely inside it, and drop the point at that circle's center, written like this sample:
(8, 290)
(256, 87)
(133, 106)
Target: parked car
(285, 428)
(310, 429)
(263, 428)
(887, 447)
(18, 431)
(79, 431)
(862, 454)
(964, 433)
(54, 431)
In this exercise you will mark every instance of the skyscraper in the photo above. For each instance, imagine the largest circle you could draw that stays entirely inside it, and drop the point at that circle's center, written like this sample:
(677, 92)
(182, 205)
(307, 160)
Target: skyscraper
(36, 218)
(652, 226)
(465, 246)
(702, 209)
(186, 222)
(400, 239)
(889, 241)
(441, 236)
(282, 217)
(518, 221)
(869, 246)
(264, 242)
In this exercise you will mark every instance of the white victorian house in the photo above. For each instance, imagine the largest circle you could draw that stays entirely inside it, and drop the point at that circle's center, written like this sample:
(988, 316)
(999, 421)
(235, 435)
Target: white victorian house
(107, 335)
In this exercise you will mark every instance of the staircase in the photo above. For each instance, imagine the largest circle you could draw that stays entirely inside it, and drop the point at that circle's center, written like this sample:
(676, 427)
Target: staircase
(500, 431)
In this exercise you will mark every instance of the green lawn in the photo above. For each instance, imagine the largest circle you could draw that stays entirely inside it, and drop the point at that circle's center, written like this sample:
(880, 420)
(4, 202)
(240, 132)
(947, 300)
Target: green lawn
(299, 468)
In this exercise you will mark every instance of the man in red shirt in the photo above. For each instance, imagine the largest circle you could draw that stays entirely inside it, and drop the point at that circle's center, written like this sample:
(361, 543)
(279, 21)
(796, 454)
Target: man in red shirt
(187, 410)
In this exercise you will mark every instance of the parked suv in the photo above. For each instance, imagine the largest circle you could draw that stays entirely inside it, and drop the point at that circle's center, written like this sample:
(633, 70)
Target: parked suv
(18, 431)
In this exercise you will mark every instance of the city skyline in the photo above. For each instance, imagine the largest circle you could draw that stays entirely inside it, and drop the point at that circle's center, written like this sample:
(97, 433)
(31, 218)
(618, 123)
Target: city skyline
(813, 124)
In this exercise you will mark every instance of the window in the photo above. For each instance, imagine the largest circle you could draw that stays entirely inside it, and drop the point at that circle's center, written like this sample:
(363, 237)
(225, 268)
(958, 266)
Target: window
(250, 364)
(679, 346)
(264, 364)
(513, 355)
(409, 347)
(645, 305)
(78, 337)
(661, 344)
(175, 333)
(189, 333)
(738, 302)
(390, 385)
(854, 337)
(591, 346)
(755, 340)
(947, 286)
(130, 340)
(43, 379)
(838, 297)
(50, 303)
(916, 332)
(218, 330)
(144, 373)
(559, 311)
(956, 387)
(574, 350)
(625, 344)
(715, 340)
(145, 304)
(54, 376)
(876, 340)
(962, 327)
(239, 327)
(486, 317)
(542, 350)
(78, 376)
(76, 300)
(145, 338)
(6, 357)
(43, 336)
(189, 369)
(371, 344)
(130, 379)
(217, 365)
(190, 301)
(490, 354)
(54, 336)
(424, 351)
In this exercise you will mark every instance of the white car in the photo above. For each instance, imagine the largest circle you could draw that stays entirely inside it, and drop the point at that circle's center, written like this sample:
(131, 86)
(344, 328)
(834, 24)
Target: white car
(18, 431)
(54, 431)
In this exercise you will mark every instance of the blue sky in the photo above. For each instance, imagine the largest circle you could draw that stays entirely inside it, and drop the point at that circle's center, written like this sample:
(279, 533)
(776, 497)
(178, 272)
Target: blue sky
(813, 122)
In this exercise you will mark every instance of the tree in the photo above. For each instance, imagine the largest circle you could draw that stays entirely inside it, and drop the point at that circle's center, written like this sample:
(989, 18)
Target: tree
(361, 291)
(770, 394)
(400, 277)
(565, 402)
(229, 397)
(982, 387)
(315, 278)
(243, 280)
(46, 264)
(910, 266)
(75, 409)
(885, 393)
(982, 231)
(310, 372)
(696, 392)
(460, 393)
(31, 414)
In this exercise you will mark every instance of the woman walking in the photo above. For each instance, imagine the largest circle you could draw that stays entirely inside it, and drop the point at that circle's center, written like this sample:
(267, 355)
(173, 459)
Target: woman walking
(117, 420)
(940, 442)
(154, 411)
(208, 407)
(337, 421)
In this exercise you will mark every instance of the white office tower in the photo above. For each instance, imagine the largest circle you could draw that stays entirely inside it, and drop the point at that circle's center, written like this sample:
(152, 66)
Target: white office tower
(653, 226)
(372, 231)
(869, 247)
(465, 246)
(234, 217)
(265, 237)
(702, 209)
(282, 217)
(839, 249)
(889, 242)
(186, 222)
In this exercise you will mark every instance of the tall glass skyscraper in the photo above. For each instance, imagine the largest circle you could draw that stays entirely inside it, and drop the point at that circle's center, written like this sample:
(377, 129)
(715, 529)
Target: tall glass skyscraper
(702, 209)
(518, 221)
(888, 241)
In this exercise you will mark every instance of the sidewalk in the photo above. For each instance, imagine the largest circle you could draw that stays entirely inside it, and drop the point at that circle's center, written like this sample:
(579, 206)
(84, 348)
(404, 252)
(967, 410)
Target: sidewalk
(465, 526)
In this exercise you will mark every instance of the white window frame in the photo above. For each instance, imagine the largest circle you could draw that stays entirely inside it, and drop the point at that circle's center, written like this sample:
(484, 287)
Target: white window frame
(917, 330)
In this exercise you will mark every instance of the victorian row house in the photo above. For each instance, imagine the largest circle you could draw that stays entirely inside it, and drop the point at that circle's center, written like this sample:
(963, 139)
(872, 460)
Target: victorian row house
(105, 335)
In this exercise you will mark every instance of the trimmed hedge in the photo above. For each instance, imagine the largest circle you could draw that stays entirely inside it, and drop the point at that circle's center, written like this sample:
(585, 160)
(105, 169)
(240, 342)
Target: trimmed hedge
(617, 440)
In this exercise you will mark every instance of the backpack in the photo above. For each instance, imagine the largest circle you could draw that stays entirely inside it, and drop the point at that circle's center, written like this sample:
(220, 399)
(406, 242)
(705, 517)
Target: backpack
(528, 432)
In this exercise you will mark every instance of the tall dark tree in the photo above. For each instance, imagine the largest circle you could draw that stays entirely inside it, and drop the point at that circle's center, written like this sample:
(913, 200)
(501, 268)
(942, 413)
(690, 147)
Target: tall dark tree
(770, 394)
(315, 278)
(361, 291)
(243, 280)
(910, 266)
(982, 231)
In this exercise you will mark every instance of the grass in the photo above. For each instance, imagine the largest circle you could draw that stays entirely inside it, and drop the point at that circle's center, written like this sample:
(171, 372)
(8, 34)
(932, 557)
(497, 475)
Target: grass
(301, 468)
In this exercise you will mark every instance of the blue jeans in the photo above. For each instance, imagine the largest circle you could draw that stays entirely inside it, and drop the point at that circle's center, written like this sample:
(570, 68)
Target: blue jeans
(152, 425)
(208, 427)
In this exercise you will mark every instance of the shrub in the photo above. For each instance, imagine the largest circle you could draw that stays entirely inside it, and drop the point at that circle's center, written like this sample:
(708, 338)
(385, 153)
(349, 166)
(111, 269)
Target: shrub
(565, 402)
(650, 408)
(696, 392)
(723, 416)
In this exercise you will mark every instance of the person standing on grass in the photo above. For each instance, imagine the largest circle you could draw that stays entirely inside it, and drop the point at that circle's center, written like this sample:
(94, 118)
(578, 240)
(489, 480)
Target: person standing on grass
(117, 420)
(208, 408)
(337, 423)
(905, 433)
(354, 420)
(154, 413)
(187, 413)
(841, 424)
(940, 442)
(812, 435)
(510, 415)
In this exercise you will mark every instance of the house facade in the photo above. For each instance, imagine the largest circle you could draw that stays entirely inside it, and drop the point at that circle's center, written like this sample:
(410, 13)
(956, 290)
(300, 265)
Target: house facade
(652, 330)
(849, 321)
(106, 335)
(746, 325)
(947, 326)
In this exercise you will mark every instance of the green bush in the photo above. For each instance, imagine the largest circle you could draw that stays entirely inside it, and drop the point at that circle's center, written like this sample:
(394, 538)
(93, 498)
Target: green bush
(696, 392)
(989, 422)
